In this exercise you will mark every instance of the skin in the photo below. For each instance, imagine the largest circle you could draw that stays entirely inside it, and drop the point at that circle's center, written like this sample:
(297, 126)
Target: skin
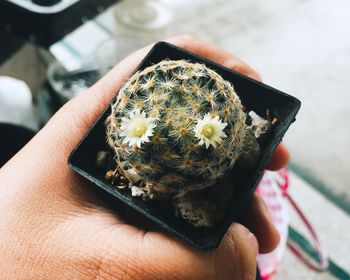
(53, 227)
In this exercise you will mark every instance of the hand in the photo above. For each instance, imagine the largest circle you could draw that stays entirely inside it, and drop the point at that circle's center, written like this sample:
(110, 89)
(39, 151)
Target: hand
(52, 227)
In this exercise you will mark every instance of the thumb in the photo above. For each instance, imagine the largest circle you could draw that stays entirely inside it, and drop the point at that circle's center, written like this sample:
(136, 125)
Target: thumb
(235, 258)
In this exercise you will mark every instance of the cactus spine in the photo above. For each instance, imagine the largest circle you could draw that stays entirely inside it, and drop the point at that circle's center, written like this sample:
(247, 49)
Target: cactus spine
(179, 125)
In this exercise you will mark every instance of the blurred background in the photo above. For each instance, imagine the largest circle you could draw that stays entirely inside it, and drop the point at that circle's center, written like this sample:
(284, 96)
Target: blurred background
(51, 51)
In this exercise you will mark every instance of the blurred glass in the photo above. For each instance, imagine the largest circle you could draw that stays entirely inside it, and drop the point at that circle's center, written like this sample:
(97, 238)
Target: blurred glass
(110, 52)
(143, 15)
(68, 84)
(139, 23)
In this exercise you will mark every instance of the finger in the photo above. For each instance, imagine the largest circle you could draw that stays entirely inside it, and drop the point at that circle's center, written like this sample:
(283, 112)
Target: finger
(235, 258)
(256, 218)
(215, 54)
(237, 253)
(280, 158)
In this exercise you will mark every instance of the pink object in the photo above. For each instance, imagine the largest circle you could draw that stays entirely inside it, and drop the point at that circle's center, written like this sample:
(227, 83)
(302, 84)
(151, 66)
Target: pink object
(269, 190)
(273, 189)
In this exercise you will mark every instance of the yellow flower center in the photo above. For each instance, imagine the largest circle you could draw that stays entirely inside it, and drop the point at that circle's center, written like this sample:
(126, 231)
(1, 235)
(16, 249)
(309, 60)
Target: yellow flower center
(140, 129)
(207, 131)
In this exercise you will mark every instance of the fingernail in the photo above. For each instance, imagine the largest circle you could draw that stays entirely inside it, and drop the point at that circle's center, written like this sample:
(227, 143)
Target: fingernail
(254, 243)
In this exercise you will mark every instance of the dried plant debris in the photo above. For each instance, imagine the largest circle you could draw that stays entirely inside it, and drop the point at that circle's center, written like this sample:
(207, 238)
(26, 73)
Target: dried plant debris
(199, 211)
(261, 127)
(250, 153)
(175, 129)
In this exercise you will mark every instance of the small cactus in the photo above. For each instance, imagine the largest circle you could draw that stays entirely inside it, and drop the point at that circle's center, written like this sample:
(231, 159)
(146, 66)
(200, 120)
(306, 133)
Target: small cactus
(179, 125)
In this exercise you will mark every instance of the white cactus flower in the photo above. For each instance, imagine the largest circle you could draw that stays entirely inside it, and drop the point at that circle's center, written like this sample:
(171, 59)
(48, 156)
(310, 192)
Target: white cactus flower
(137, 128)
(210, 131)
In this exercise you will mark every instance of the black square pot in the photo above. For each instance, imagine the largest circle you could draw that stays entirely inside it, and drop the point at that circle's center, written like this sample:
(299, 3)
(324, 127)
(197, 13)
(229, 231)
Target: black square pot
(254, 96)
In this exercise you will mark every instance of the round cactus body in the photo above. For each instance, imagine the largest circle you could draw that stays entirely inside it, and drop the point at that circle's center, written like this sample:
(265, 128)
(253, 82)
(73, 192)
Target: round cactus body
(179, 125)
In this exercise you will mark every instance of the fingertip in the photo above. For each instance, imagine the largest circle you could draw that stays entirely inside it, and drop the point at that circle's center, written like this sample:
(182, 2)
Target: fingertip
(280, 158)
(273, 242)
(257, 219)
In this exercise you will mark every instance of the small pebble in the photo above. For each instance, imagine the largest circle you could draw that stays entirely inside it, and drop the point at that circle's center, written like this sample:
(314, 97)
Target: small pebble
(136, 191)
(123, 180)
(133, 175)
(109, 175)
(251, 151)
(260, 127)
